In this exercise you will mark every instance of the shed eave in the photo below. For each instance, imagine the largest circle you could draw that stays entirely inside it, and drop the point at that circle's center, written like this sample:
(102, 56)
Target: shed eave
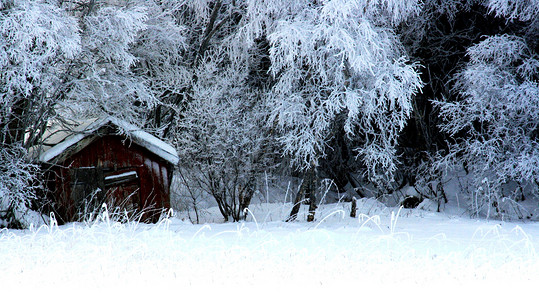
(60, 148)
(138, 136)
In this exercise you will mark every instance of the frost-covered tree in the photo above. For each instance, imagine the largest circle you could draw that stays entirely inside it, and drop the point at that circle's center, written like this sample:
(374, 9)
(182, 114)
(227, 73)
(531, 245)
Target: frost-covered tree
(221, 137)
(18, 188)
(337, 58)
(491, 113)
(523, 13)
(219, 113)
(340, 56)
(86, 58)
(438, 39)
(526, 10)
(38, 40)
(496, 123)
(102, 80)
(160, 50)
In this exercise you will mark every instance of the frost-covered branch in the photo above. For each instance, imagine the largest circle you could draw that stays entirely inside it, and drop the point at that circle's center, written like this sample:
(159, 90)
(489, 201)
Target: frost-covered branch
(497, 121)
(335, 57)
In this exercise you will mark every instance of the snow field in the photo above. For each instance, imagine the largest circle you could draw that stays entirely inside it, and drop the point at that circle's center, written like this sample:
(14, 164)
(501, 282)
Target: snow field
(390, 254)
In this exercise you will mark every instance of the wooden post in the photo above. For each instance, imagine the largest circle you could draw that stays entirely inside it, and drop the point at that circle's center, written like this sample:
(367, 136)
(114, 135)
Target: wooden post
(353, 208)
(312, 195)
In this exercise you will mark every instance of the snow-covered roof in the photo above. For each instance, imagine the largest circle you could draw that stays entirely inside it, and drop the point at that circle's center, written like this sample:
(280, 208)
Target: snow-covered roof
(59, 140)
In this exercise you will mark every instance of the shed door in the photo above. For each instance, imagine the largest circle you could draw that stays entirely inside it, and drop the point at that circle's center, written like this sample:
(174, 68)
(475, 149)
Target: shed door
(92, 186)
(87, 189)
(123, 191)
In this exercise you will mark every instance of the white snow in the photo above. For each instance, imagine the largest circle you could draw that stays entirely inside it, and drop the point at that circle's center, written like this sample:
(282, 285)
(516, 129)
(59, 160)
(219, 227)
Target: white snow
(148, 141)
(137, 135)
(123, 175)
(59, 148)
(388, 253)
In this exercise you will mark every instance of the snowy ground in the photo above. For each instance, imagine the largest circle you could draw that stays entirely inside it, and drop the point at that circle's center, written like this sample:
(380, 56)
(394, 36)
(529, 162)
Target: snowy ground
(383, 253)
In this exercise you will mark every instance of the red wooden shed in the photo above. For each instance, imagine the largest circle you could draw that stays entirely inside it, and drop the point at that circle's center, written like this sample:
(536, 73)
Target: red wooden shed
(107, 161)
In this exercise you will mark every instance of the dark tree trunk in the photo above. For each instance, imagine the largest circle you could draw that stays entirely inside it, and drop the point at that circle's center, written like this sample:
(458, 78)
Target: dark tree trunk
(312, 195)
(308, 186)
(245, 195)
(298, 200)
(14, 126)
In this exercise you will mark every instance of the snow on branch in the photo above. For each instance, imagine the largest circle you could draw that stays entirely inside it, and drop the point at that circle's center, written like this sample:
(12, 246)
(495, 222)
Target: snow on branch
(333, 58)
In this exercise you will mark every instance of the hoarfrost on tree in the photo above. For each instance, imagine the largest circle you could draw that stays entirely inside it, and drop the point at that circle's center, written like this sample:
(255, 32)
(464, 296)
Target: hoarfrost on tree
(37, 42)
(337, 58)
(101, 79)
(496, 122)
(221, 136)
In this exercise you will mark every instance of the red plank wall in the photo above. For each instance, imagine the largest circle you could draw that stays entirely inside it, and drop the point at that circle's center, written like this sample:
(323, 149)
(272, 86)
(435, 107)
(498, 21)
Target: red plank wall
(115, 154)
